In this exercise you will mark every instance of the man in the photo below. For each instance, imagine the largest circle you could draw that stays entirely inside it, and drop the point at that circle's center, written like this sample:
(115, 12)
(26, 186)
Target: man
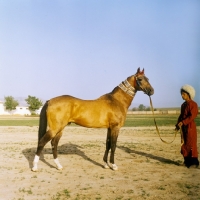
(189, 111)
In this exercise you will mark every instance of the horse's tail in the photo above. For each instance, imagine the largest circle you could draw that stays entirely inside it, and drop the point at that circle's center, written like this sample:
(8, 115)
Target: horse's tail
(43, 122)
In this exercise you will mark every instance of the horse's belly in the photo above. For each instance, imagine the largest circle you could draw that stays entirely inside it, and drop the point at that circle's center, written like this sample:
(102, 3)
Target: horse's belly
(92, 121)
(95, 117)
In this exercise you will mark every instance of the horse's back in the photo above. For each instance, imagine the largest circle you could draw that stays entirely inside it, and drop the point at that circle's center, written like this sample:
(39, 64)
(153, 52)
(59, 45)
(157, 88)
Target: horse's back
(101, 112)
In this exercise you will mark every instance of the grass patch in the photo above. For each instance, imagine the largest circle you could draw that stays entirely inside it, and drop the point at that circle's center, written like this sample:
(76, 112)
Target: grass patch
(21, 122)
(65, 194)
(148, 120)
(131, 120)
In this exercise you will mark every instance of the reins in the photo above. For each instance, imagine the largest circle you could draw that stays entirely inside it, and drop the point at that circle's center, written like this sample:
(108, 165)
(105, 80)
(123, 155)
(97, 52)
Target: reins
(182, 140)
(127, 88)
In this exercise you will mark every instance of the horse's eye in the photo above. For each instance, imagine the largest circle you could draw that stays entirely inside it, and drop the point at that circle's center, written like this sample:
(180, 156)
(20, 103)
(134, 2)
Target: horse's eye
(139, 79)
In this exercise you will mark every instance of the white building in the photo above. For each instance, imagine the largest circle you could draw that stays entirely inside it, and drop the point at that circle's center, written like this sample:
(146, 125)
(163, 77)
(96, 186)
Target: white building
(20, 110)
(2, 109)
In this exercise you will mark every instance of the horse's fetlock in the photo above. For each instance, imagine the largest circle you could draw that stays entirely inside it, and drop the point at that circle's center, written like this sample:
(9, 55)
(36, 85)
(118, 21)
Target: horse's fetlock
(36, 159)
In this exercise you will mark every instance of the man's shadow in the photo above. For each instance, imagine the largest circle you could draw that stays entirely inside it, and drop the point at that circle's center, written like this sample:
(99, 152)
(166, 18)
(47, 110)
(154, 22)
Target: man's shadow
(66, 149)
(158, 158)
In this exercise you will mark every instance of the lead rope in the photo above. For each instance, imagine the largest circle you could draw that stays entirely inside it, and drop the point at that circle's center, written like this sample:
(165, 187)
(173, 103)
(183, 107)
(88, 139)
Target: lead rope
(182, 140)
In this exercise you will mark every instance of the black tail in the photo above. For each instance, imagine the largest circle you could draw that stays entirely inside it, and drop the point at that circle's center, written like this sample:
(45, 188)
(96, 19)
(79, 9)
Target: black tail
(43, 122)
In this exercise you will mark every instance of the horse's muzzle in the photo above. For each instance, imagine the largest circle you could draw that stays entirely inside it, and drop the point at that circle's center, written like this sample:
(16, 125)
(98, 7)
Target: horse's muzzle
(150, 91)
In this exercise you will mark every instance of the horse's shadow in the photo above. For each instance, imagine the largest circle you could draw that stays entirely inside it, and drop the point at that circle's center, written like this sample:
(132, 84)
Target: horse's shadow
(66, 149)
(158, 158)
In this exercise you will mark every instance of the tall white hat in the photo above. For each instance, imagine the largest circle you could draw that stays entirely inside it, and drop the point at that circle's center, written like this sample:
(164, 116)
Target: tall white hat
(188, 89)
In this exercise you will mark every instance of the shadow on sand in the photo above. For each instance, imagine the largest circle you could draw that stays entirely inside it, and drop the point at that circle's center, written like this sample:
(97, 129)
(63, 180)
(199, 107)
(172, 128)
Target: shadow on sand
(66, 149)
(158, 158)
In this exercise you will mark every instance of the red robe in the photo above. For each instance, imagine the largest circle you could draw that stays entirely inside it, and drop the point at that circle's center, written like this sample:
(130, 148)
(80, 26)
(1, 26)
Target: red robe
(189, 111)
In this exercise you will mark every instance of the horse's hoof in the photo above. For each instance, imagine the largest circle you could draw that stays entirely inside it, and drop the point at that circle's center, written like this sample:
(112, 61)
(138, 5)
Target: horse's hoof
(106, 166)
(34, 169)
(114, 167)
(59, 168)
(58, 165)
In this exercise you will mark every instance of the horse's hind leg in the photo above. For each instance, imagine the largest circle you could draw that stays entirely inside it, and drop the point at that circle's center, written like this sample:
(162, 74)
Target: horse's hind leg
(108, 146)
(43, 141)
(54, 144)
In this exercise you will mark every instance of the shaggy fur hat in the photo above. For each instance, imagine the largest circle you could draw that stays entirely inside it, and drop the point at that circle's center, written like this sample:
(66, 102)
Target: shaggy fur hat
(188, 89)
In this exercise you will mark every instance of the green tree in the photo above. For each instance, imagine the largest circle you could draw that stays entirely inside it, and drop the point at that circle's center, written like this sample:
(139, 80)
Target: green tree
(148, 109)
(34, 103)
(134, 109)
(141, 107)
(10, 103)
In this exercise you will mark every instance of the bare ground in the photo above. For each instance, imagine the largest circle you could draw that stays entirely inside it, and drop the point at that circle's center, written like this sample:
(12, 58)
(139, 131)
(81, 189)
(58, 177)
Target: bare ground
(148, 168)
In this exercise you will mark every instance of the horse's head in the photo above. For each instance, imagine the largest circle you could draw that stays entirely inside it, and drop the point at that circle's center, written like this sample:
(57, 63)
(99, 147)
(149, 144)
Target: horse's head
(141, 82)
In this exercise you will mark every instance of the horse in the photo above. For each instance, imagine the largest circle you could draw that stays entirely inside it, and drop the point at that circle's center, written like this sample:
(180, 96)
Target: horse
(107, 111)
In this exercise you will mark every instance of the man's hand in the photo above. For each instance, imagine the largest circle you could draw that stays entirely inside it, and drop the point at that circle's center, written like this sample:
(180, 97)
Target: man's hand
(180, 124)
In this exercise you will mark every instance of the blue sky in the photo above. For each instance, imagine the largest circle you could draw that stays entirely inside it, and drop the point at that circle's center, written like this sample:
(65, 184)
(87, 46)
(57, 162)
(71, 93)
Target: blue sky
(85, 48)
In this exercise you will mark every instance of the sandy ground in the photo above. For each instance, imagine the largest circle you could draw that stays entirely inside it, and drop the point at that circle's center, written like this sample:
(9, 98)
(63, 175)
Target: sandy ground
(148, 168)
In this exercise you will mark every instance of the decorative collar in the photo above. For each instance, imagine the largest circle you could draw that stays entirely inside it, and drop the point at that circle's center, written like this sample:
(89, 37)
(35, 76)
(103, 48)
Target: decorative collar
(127, 88)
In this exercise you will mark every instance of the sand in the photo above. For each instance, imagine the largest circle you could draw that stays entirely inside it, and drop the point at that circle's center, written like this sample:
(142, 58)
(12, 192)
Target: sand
(148, 168)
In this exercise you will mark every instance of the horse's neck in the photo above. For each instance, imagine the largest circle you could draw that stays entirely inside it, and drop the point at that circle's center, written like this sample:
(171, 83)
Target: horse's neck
(122, 97)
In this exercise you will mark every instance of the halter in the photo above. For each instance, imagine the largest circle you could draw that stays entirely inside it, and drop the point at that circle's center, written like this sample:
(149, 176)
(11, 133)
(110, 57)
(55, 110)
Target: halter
(127, 88)
(139, 84)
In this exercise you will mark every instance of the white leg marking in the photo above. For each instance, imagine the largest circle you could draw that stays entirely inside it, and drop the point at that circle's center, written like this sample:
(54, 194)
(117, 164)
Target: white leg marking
(59, 166)
(114, 167)
(35, 162)
(106, 165)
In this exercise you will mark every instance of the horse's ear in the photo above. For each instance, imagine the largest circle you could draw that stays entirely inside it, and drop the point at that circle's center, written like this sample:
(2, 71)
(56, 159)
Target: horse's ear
(138, 70)
(142, 71)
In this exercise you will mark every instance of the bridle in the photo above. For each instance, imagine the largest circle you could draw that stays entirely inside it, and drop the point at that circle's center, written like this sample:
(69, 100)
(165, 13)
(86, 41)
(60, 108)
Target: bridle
(139, 85)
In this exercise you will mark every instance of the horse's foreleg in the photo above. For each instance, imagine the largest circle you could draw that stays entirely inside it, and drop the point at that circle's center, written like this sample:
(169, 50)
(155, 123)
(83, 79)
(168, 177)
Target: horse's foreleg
(108, 145)
(54, 144)
(114, 136)
(44, 140)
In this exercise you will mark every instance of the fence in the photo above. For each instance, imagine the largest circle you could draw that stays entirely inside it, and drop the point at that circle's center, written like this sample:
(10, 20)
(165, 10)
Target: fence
(158, 112)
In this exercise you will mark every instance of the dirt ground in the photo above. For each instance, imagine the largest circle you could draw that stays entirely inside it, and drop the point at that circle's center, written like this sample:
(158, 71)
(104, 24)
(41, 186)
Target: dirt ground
(148, 168)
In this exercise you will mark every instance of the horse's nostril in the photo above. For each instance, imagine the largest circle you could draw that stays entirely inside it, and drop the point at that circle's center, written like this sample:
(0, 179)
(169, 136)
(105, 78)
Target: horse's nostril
(151, 91)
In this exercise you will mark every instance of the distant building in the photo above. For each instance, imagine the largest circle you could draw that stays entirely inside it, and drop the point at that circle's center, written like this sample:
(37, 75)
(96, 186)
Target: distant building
(20, 110)
(2, 109)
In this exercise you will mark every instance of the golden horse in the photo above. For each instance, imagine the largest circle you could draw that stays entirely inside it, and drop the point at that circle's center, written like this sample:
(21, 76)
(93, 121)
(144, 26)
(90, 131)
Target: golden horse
(108, 111)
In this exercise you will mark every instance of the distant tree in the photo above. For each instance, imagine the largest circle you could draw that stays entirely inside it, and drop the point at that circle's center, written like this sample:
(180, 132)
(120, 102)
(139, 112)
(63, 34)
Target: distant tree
(148, 109)
(141, 107)
(134, 109)
(10, 103)
(34, 103)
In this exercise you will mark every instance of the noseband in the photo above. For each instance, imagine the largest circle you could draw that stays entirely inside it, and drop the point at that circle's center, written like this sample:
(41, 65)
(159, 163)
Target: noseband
(127, 88)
